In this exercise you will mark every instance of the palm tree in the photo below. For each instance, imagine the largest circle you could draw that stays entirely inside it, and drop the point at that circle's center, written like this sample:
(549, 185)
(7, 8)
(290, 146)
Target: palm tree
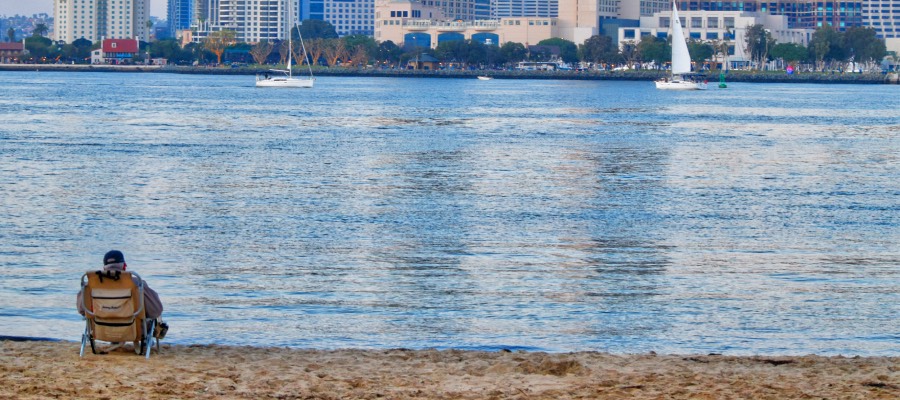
(41, 29)
(11, 34)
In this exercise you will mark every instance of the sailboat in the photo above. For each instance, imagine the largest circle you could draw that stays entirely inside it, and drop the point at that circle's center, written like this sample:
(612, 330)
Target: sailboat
(680, 77)
(284, 77)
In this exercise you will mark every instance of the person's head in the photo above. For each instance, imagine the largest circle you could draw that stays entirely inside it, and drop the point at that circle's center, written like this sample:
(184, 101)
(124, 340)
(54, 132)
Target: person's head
(114, 260)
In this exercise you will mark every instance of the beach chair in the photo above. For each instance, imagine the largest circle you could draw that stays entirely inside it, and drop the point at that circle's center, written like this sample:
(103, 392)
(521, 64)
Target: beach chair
(114, 311)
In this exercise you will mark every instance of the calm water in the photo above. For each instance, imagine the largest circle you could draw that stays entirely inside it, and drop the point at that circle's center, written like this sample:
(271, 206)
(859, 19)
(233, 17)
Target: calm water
(382, 213)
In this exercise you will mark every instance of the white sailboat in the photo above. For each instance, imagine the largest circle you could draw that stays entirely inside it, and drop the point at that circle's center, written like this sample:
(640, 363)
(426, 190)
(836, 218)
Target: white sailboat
(284, 77)
(681, 61)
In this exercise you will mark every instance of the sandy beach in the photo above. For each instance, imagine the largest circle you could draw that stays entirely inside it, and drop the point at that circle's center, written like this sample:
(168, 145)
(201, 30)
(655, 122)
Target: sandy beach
(34, 369)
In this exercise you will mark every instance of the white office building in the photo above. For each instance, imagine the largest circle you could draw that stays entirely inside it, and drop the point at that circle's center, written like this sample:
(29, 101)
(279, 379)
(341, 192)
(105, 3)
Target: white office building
(351, 17)
(884, 17)
(96, 19)
(251, 21)
(727, 26)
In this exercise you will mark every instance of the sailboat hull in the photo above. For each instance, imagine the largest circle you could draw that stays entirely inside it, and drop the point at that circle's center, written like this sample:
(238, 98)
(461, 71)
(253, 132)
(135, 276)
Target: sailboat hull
(285, 83)
(680, 85)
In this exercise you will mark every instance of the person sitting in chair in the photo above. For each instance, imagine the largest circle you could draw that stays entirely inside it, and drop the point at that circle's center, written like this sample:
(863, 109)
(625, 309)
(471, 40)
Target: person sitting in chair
(114, 260)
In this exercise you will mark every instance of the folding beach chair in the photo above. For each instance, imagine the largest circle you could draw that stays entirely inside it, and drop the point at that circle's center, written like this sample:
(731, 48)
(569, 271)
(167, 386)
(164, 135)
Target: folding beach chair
(114, 311)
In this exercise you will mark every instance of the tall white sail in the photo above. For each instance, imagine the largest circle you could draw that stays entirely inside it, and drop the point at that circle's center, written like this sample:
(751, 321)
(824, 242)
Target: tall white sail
(681, 59)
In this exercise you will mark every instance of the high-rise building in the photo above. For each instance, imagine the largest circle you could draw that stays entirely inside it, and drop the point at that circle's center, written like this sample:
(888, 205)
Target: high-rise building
(312, 9)
(180, 16)
(251, 20)
(884, 17)
(350, 17)
(96, 19)
(205, 11)
(801, 14)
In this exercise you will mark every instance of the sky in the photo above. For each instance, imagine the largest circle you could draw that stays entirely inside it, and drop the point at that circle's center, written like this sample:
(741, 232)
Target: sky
(29, 7)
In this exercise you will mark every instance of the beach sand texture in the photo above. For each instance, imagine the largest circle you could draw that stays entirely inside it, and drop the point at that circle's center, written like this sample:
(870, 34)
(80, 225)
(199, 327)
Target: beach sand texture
(43, 370)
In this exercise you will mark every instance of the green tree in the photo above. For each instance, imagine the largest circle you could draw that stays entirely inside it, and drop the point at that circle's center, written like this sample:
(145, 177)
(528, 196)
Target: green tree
(477, 52)
(826, 46)
(40, 29)
(81, 50)
(492, 55)
(720, 52)
(365, 42)
(261, 51)
(654, 49)
(197, 52)
(38, 47)
(389, 52)
(11, 34)
(568, 51)
(218, 41)
(758, 41)
(597, 49)
(512, 52)
(630, 52)
(700, 51)
(791, 53)
(317, 29)
(863, 45)
(453, 51)
(171, 50)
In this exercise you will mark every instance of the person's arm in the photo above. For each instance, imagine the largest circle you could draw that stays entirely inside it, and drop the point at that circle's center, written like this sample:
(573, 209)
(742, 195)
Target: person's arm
(152, 303)
(79, 302)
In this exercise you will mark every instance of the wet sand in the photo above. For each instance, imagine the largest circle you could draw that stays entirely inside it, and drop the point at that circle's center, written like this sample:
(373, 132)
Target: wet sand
(34, 369)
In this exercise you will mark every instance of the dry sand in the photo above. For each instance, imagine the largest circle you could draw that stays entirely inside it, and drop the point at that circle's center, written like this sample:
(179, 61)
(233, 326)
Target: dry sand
(44, 370)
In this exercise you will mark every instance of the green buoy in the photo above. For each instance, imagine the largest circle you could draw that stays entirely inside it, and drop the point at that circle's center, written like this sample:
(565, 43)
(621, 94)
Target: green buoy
(722, 84)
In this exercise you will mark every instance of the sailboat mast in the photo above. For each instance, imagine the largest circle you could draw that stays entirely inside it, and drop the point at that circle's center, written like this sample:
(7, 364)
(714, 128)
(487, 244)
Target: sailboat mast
(289, 34)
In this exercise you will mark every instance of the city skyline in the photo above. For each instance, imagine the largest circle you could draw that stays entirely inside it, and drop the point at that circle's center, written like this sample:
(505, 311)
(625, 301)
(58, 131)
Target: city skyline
(13, 7)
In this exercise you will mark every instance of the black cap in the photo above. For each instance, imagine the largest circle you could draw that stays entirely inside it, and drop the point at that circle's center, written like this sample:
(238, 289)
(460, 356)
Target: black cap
(113, 256)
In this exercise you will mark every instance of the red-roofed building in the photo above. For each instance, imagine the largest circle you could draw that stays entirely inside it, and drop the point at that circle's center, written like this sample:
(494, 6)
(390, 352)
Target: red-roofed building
(116, 51)
(11, 51)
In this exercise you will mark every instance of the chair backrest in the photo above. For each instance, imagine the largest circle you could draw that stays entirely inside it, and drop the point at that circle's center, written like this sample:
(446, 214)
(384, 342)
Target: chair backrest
(114, 305)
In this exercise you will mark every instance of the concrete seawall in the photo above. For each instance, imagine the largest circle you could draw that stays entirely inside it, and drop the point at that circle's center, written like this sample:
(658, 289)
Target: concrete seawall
(639, 75)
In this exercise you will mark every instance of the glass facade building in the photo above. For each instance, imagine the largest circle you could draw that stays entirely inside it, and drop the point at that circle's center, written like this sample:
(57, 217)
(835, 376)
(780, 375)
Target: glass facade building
(801, 14)
(180, 15)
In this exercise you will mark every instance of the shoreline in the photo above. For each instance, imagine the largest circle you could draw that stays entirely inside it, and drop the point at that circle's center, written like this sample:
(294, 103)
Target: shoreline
(642, 75)
(54, 369)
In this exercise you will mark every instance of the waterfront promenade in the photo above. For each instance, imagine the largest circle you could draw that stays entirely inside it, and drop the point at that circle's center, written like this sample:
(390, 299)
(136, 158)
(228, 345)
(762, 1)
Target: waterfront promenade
(634, 75)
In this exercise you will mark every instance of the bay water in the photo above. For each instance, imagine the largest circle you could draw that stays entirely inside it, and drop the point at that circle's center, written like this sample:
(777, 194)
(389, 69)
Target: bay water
(456, 213)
